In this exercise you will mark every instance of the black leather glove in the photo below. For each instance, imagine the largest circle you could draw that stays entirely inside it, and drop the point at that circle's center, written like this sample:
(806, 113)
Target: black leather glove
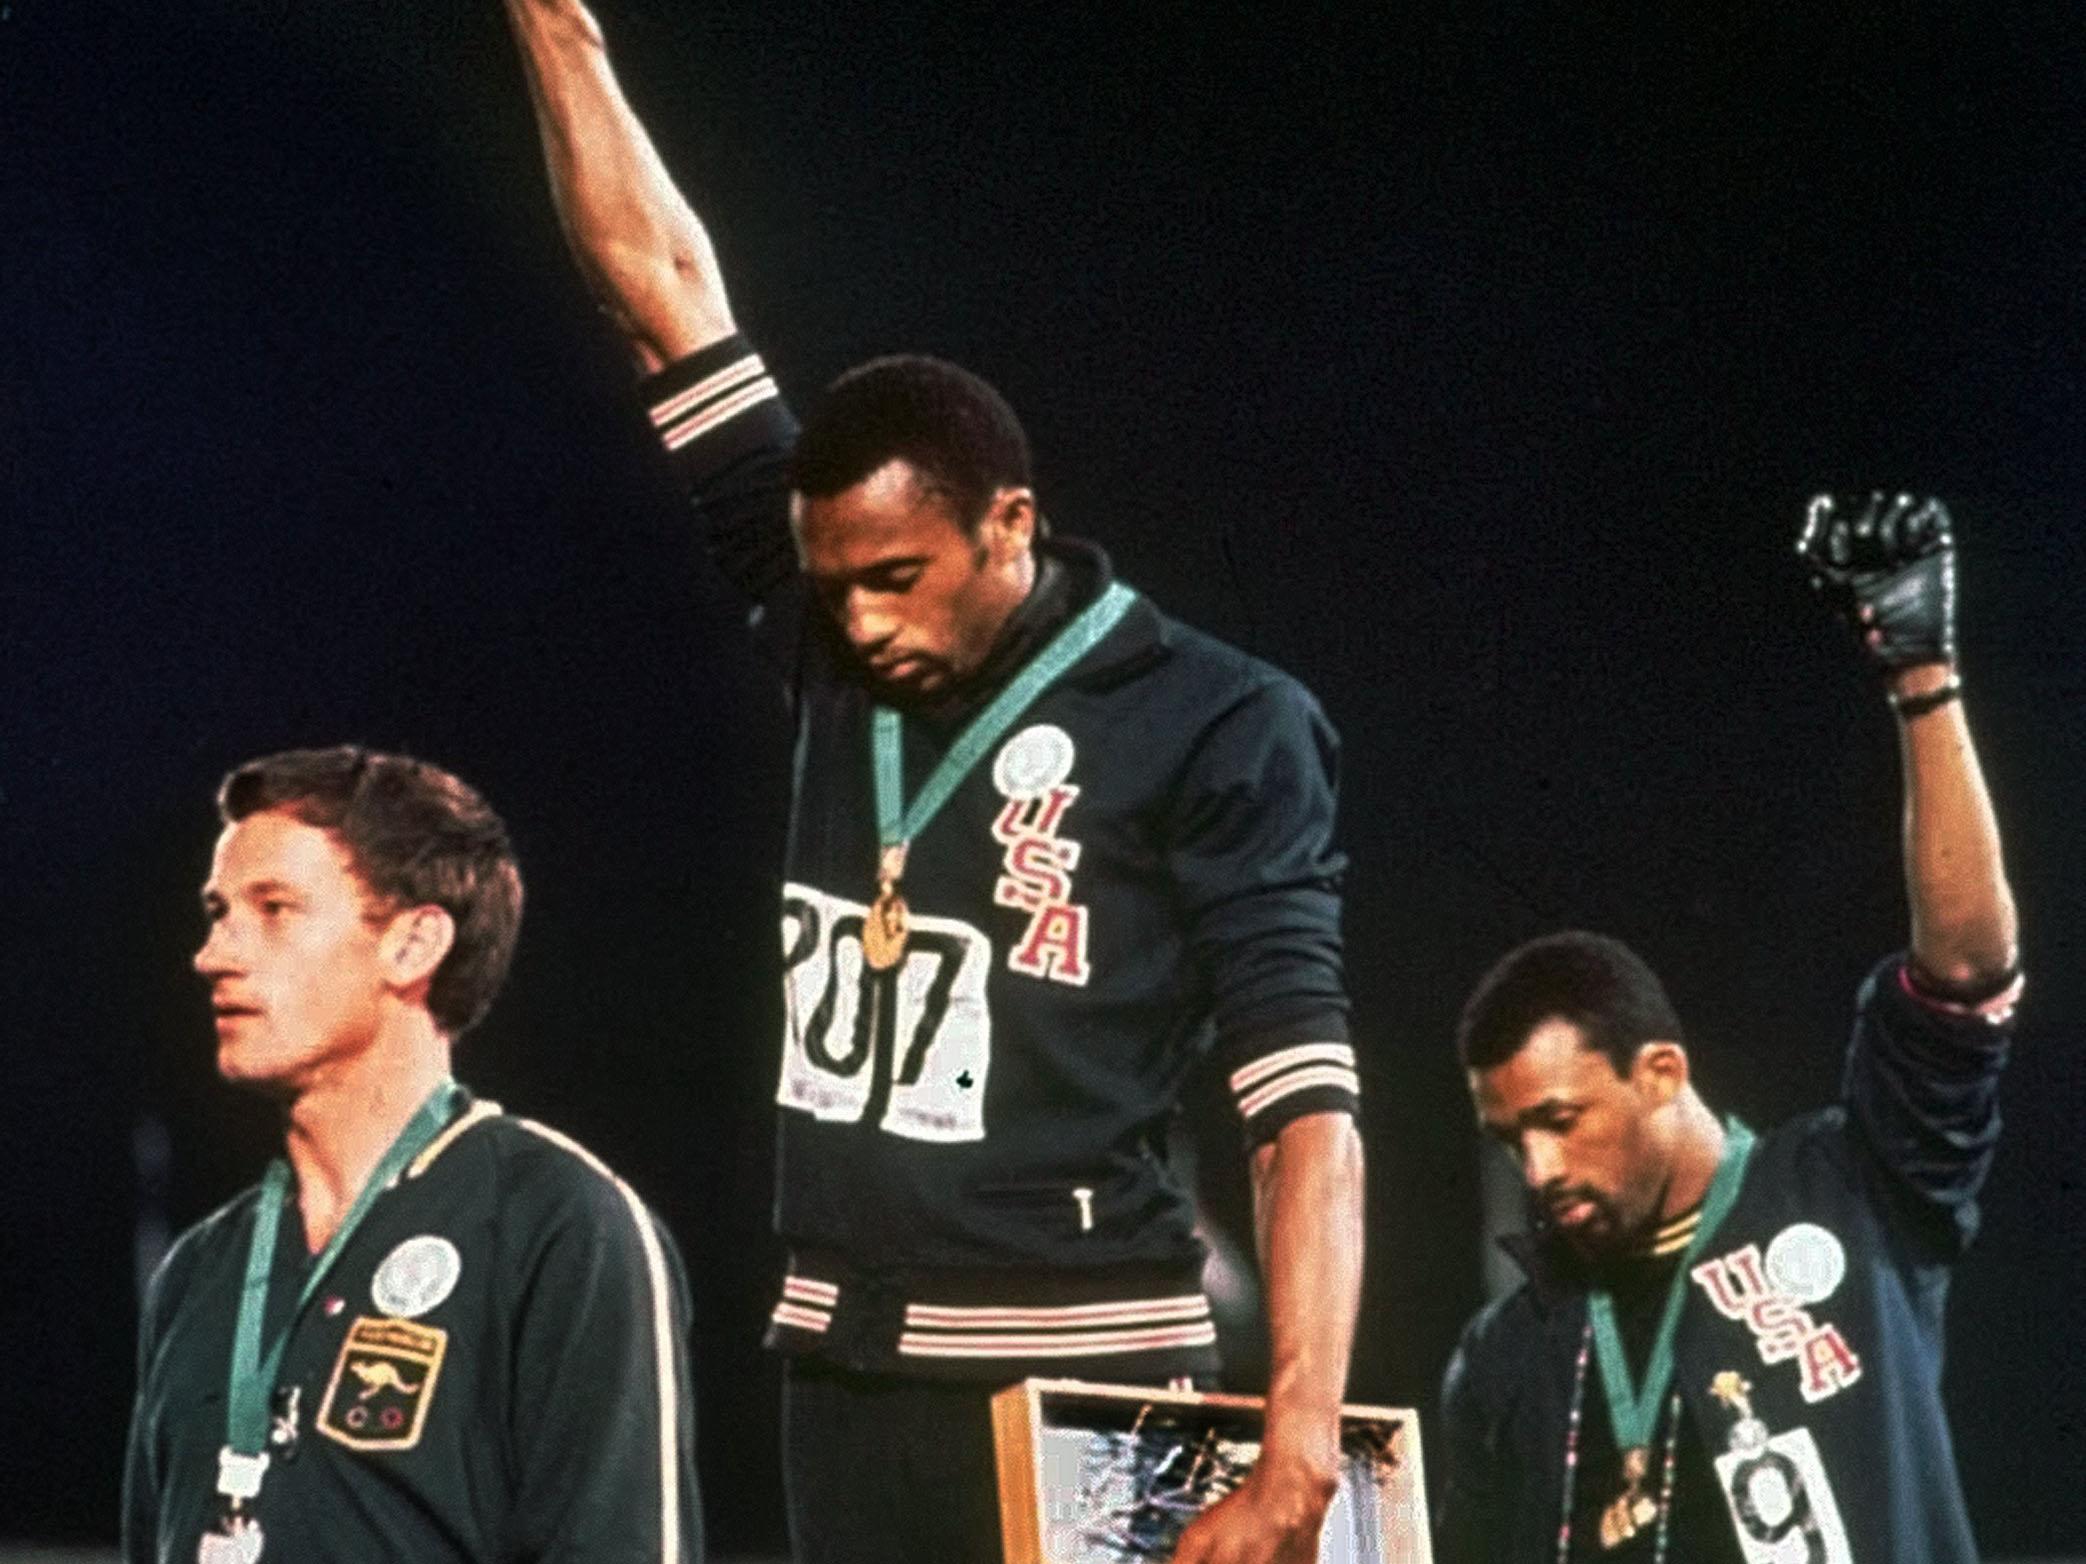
(1888, 563)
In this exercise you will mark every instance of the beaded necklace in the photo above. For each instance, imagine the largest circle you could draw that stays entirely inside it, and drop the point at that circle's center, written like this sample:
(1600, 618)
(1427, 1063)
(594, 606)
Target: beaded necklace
(1571, 1458)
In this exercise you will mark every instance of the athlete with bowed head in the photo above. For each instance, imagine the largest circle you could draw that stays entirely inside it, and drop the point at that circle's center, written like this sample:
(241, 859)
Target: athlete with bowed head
(1044, 841)
(1720, 1332)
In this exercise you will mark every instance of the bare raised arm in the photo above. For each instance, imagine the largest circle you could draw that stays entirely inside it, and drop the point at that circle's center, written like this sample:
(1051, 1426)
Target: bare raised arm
(640, 245)
(1963, 919)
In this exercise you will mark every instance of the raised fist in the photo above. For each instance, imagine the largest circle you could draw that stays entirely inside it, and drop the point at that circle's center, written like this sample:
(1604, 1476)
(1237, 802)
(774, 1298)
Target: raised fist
(1887, 563)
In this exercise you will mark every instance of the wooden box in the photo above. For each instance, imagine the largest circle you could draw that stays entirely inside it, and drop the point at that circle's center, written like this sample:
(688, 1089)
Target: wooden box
(1108, 1474)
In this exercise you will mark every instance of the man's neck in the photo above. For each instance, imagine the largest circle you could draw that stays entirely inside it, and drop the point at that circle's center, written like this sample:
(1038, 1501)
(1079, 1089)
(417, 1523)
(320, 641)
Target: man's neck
(340, 1127)
(1699, 1147)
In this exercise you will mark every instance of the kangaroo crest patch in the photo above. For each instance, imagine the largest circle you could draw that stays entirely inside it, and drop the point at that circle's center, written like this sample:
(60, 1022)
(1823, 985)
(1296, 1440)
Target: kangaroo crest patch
(382, 1384)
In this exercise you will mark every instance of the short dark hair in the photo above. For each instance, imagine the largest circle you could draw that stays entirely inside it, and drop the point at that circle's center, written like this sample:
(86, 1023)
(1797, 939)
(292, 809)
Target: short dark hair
(958, 433)
(417, 836)
(1598, 984)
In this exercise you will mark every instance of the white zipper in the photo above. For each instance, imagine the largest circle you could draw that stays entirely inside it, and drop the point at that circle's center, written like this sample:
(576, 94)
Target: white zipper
(1085, 1197)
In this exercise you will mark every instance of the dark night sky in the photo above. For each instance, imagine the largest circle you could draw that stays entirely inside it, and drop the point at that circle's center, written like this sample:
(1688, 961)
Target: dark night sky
(1471, 363)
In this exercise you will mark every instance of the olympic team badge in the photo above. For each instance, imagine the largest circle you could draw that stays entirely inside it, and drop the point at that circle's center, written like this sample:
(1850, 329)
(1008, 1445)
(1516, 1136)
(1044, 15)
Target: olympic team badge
(382, 1384)
(1033, 762)
(416, 1276)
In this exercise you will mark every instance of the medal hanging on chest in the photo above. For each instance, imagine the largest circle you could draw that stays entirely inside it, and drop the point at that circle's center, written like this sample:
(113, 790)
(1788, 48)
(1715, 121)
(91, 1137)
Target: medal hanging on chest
(887, 925)
(885, 930)
(1633, 1509)
(1633, 1408)
(236, 1540)
(236, 1537)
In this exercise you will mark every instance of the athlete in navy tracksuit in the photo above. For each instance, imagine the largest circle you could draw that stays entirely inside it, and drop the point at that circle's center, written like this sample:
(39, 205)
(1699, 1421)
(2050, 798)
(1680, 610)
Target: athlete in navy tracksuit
(991, 1008)
(1801, 1415)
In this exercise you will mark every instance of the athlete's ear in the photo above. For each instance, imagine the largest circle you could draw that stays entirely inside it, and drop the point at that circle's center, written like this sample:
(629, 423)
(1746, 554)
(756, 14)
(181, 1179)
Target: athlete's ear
(414, 944)
(1659, 1073)
(1008, 528)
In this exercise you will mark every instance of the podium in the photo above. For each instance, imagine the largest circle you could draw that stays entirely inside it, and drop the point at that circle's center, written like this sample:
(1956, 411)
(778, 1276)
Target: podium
(1112, 1474)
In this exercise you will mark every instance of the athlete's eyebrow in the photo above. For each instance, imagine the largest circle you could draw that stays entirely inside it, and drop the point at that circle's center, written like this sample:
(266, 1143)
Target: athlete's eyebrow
(877, 567)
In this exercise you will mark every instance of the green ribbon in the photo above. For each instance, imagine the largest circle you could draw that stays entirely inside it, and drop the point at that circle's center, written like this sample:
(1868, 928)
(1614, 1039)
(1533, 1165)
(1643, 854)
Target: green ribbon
(251, 1382)
(1633, 1411)
(898, 822)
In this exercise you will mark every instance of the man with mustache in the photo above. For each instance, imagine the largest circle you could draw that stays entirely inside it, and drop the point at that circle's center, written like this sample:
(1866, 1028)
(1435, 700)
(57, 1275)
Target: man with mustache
(434, 1331)
(1729, 1346)
(1043, 839)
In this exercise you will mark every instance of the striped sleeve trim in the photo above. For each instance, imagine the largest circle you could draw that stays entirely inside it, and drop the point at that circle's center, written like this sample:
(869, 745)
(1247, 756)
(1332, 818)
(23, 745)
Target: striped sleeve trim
(806, 1304)
(1267, 1080)
(714, 400)
(662, 1341)
(1067, 1331)
(1996, 1011)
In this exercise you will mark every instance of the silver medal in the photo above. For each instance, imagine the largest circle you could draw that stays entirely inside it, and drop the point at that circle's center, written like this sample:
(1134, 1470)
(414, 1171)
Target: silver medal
(236, 1541)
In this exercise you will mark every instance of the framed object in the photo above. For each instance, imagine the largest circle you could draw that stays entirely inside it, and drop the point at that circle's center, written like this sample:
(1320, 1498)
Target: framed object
(1112, 1474)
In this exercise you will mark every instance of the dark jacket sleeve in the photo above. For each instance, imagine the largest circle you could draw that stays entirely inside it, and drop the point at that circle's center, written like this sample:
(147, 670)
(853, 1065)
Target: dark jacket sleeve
(141, 1474)
(602, 1420)
(1922, 1095)
(1472, 1492)
(1252, 855)
(728, 434)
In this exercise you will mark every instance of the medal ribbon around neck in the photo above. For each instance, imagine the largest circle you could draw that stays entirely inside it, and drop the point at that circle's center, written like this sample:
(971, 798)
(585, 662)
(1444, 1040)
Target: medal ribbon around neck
(1633, 1410)
(897, 822)
(251, 1381)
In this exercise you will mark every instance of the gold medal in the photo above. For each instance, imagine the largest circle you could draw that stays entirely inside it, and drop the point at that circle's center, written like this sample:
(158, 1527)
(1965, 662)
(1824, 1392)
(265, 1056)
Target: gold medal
(1633, 1509)
(884, 931)
(885, 928)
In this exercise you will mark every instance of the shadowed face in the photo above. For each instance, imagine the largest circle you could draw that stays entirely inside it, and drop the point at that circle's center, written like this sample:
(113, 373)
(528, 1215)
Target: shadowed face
(295, 956)
(1595, 1149)
(919, 598)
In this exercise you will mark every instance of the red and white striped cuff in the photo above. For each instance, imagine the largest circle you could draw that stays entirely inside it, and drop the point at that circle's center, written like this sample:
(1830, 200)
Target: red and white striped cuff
(715, 399)
(1258, 1086)
(806, 1304)
(1996, 1011)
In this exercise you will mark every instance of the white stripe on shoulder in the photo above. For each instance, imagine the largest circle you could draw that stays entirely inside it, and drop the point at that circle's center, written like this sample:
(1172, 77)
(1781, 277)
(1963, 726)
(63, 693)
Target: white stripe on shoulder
(476, 1114)
(662, 1341)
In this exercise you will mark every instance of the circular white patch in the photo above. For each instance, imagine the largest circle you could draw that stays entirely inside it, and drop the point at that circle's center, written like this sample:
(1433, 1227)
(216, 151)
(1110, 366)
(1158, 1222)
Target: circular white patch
(1768, 1488)
(1805, 1262)
(1034, 761)
(416, 1276)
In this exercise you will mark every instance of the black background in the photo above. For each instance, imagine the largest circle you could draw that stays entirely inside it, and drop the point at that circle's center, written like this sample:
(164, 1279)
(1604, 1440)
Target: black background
(1473, 364)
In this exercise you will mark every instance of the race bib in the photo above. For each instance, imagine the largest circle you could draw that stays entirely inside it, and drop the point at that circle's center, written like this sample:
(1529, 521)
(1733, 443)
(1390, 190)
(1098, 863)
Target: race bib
(911, 1046)
(1782, 1503)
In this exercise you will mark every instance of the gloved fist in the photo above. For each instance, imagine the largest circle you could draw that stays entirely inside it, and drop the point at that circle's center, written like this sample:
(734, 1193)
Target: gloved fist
(1888, 563)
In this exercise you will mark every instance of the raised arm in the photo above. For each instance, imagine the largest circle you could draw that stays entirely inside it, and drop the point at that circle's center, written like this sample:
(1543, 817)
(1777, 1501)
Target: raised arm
(1889, 564)
(640, 245)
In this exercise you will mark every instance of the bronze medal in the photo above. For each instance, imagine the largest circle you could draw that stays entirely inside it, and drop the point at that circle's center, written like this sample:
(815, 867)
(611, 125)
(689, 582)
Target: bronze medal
(1633, 1509)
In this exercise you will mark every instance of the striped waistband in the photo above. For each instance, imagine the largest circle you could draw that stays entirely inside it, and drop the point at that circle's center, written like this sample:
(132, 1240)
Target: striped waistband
(918, 1321)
